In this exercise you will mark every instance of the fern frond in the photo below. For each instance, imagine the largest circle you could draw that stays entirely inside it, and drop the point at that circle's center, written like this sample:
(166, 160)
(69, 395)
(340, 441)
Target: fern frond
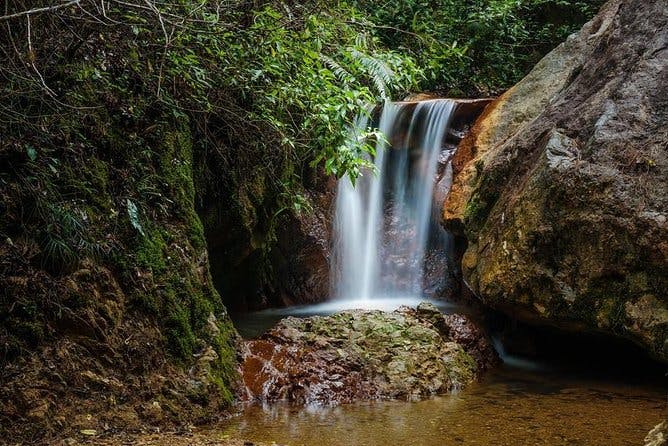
(361, 41)
(379, 72)
(341, 73)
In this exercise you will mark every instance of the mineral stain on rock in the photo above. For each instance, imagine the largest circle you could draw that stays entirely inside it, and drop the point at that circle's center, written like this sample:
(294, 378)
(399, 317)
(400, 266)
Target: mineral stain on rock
(362, 355)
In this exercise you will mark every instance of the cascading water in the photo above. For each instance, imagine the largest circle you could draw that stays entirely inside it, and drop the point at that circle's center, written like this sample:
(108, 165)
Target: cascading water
(383, 223)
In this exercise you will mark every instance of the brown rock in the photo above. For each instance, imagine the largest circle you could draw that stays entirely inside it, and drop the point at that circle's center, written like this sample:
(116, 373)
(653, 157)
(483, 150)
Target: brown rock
(475, 342)
(357, 355)
(301, 257)
(562, 190)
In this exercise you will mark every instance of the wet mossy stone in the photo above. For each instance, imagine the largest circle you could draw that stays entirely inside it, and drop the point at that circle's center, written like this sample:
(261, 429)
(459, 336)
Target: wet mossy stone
(360, 354)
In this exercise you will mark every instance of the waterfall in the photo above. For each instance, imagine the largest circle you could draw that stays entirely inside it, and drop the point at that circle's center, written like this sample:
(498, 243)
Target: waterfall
(382, 224)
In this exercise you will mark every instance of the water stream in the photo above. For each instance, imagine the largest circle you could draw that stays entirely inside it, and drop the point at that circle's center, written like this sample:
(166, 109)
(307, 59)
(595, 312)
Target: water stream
(510, 407)
(601, 400)
(383, 223)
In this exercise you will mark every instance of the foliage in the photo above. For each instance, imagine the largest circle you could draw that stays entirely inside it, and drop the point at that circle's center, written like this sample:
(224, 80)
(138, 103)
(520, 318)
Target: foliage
(309, 81)
(286, 80)
(469, 47)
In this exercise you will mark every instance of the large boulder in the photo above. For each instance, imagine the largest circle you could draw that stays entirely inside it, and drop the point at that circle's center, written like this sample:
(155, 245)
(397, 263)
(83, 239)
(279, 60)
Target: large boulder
(561, 187)
(360, 354)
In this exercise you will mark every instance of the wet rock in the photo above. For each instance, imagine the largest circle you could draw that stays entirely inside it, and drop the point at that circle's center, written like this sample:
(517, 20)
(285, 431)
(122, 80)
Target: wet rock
(357, 355)
(301, 257)
(476, 343)
(463, 330)
(560, 188)
(658, 436)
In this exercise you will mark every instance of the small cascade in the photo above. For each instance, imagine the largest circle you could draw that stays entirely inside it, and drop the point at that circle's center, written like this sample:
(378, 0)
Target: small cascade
(383, 223)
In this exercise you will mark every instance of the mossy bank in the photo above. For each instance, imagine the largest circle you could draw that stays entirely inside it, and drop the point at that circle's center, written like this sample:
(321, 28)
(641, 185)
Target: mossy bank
(105, 279)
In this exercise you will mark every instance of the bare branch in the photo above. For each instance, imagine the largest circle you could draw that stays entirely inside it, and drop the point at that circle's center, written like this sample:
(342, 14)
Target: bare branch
(392, 28)
(32, 58)
(39, 10)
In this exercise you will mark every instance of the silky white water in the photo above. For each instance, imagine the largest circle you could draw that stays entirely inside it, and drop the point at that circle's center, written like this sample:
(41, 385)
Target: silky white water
(382, 224)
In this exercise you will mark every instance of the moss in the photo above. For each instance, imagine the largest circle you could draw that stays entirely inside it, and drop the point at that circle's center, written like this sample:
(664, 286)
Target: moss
(479, 166)
(195, 231)
(181, 298)
(90, 183)
(602, 304)
(638, 282)
(224, 372)
(487, 190)
(150, 252)
(461, 367)
(179, 332)
(30, 332)
(175, 166)
(126, 149)
(474, 209)
(475, 214)
(200, 309)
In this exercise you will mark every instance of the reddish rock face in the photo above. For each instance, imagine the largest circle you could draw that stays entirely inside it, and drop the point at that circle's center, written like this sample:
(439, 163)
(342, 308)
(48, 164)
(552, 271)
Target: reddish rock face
(476, 343)
(273, 371)
(301, 257)
(361, 355)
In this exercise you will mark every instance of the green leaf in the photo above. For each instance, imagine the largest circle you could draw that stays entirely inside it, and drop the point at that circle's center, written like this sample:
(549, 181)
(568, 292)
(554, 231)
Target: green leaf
(31, 152)
(133, 213)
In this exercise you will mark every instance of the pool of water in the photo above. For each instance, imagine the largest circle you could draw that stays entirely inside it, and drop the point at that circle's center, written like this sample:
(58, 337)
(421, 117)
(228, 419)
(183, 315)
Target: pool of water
(522, 402)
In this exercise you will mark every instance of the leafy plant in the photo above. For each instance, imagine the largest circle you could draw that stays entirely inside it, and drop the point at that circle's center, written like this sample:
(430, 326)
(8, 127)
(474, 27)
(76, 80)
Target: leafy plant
(65, 240)
(133, 213)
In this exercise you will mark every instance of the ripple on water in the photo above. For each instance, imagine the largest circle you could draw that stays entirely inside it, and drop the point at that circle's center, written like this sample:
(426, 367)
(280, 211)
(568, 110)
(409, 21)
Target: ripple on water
(511, 407)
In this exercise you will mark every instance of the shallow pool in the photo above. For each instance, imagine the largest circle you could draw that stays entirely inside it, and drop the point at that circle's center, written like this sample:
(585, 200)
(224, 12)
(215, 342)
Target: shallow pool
(520, 403)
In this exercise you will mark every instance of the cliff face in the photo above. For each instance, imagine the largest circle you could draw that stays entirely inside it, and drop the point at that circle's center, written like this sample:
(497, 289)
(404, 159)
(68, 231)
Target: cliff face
(561, 188)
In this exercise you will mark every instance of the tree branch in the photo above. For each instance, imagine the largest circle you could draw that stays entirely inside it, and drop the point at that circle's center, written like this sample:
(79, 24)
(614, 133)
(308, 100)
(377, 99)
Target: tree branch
(38, 10)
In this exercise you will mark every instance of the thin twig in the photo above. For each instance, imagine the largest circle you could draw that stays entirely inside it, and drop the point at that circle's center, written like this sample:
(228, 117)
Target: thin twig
(38, 10)
(392, 28)
(32, 58)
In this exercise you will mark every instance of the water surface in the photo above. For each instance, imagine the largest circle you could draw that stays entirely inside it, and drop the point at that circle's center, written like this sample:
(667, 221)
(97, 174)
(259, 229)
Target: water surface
(252, 325)
(511, 407)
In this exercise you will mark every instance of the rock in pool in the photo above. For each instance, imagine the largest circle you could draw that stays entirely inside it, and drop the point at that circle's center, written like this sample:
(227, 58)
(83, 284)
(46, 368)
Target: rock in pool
(361, 355)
